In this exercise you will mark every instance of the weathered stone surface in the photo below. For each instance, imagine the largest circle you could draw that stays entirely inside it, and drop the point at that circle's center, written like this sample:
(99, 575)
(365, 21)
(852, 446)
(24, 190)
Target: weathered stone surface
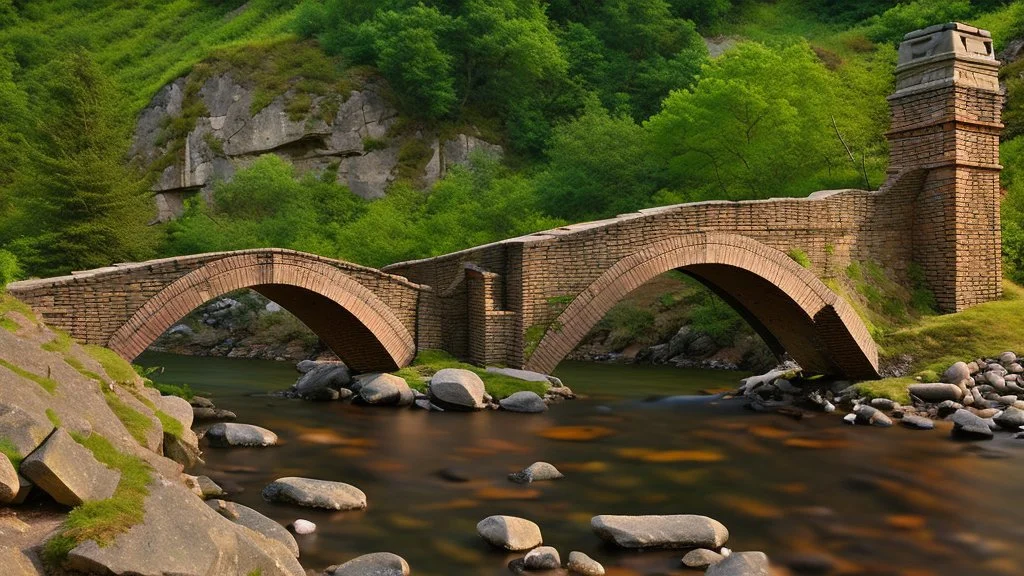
(68, 472)
(457, 388)
(673, 531)
(526, 375)
(212, 414)
(384, 389)
(376, 564)
(253, 520)
(536, 472)
(230, 434)
(917, 422)
(177, 408)
(9, 484)
(523, 401)
(741, 564)
(969, 426)
(208, 488)
(580, 563)
(180, 535)
(1010, 419)
(183, 449)
(24, 430)
(510, 532)
(936, 392)
(315, 494)
(542, 558)
(701, 558)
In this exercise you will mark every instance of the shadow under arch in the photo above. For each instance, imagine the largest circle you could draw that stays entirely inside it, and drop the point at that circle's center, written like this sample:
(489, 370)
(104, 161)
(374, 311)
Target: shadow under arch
(785, 303)
(350, 319)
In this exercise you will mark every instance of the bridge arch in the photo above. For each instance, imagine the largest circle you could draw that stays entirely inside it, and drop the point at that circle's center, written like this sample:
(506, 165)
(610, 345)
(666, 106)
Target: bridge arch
(784, 302)
(350, 319)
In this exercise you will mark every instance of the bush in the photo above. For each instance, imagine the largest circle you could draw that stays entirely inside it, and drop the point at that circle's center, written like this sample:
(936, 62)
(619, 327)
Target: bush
(9, 268)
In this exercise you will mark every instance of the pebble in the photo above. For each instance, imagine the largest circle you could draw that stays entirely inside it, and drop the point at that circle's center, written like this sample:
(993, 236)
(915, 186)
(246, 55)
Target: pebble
(580, 563)
(542, 558)
(701, 558)
(301, 526)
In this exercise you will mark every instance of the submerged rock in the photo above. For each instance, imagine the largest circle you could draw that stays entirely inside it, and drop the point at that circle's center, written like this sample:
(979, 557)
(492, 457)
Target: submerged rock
(68, 472)
(230, 434)
(524, 401)
(741, 564)
(457, 388)
(315, 494)
(673, 531)
(510, 532)
(969, 426)
(376, 564)
(701, 558)
(536, 472)
(917, 422)
(580, 563)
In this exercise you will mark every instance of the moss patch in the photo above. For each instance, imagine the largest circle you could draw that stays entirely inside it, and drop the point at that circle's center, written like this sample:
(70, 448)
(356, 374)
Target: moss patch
(53, 417)
(45, 382)
(137, 423)
(428, 362)
(800, 257)
(116, 367)
(8, 449)
(170, 424)
(103, 520)
(891, 388)
(179, 390)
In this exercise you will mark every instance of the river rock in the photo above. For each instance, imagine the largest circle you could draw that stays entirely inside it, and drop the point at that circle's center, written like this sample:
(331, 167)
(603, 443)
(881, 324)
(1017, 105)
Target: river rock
(333, 375)
(580, 563)
(457, 388)
(542, 558)
(526, 375)
(1007, 358)
(510, 533)
(1010, 419)
(701, 558)
(673, 531)
(524, 401)
(938, 392)
(304, 366)
(536, 472)
(200, 402)
(956, 373)
(303, 527)
(68, 472)
(9, 485)
(315, 494)
(212, 414)
(253, 520)
(383, 389)
(871, 415)
(917, 422)
(376, 564)
(741, 564)
(970, 426)
(225, 435)
(208, 488)
(24, 430)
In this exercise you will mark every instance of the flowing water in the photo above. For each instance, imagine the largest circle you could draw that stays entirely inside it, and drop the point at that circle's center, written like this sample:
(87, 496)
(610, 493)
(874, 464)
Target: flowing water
(816, 495)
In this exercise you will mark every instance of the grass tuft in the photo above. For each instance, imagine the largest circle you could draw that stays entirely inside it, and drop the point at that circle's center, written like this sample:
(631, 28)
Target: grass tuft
(51, 414)
(45, 382)
(117, 368)
(103, 520)
(137, 423)
(7, 448)
(428, 362)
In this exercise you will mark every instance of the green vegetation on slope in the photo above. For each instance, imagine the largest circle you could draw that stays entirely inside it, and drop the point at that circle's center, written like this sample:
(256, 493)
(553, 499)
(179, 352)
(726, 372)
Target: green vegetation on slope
(103, 520)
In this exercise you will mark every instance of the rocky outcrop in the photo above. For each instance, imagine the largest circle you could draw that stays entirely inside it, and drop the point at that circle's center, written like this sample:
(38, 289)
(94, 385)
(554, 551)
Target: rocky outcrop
(67, 471)
(350, 135)
(253, 520)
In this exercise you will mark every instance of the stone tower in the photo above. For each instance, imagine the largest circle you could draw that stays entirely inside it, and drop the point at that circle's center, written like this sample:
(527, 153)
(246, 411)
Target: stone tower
(946, 125)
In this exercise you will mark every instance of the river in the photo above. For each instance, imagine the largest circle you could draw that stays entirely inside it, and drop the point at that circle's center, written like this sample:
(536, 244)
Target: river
(812, 494)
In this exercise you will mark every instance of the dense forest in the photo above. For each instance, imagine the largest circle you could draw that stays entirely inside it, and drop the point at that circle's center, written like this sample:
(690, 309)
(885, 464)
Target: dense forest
(603, 106)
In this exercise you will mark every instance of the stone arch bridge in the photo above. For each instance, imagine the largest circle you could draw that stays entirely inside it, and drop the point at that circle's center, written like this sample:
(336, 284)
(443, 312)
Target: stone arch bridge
(528, 301)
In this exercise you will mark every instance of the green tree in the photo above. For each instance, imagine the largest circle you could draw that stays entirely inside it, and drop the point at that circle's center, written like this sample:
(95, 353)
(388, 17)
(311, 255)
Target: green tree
(91, 209)
(757, 124)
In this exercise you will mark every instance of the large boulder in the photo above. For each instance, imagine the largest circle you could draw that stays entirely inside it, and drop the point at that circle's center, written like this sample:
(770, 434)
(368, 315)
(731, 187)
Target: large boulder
(315, 493)
(180, 535)
(253, 520)
(741, 564)
(376, 564)
(673, 531)
(510, 532)
(9, 484)
(228, 434)
(524, 401)
(177, 408)
(325, 375)
(68, 472)
(457, 388)
(385, 390)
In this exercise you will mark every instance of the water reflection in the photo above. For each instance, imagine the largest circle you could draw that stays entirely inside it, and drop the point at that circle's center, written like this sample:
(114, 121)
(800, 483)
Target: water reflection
(815, 494)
